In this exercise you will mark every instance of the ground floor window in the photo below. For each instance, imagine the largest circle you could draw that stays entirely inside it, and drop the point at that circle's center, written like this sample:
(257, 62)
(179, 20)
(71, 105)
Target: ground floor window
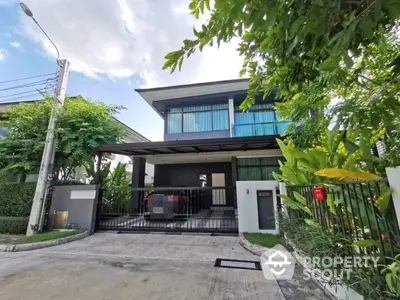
(257, 168)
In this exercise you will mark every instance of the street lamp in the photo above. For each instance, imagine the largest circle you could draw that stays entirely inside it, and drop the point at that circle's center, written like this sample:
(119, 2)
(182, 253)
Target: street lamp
(46, 166)
(29, 13)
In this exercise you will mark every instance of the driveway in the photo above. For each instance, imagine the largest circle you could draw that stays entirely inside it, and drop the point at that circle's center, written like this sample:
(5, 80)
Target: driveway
(140, 266)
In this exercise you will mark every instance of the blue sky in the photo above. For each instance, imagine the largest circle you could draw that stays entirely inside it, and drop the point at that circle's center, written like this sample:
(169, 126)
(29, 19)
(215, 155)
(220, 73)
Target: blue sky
(114, 47)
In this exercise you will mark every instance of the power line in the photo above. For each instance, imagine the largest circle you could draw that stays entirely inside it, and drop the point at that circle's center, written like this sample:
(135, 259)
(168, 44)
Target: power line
(30, 84)
(16, 98)
(26, 78)
(16, 94)
(37, 93)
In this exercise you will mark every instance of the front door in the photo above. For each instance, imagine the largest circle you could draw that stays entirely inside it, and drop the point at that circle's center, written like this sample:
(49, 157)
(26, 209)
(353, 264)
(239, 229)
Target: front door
(219, 196)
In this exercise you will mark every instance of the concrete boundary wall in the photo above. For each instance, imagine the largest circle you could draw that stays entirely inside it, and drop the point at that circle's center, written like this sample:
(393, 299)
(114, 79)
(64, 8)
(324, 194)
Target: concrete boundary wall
(78, 200)
(248, 207)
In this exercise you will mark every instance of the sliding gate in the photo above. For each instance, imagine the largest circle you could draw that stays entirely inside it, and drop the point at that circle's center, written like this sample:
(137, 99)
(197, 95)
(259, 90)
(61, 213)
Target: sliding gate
(197, 209)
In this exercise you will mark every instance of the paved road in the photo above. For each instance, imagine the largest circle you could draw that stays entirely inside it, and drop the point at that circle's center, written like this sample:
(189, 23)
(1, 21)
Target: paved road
(139, 266)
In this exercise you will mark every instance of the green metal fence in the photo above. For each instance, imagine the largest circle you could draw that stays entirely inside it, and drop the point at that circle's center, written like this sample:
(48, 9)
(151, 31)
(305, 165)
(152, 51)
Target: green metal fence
(362, 211)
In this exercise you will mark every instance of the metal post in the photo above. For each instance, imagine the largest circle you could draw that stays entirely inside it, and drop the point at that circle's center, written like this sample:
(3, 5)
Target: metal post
(47, 157)
(96, 212)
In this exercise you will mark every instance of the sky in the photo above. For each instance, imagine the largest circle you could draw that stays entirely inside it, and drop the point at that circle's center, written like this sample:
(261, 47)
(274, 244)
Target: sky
(114, 46)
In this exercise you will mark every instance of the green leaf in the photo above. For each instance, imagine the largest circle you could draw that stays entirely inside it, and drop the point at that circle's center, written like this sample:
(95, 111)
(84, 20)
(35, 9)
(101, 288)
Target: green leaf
(384, 198)
(347, 59)
(300, 198)
(309, 166)
(329, 64)
(367, 243)
(350, 146)
(330, 203)
(282, 71)
(207, 4)
(180, 63)
(292, 45)
(367, 27)
(312, 223)
(290, 203)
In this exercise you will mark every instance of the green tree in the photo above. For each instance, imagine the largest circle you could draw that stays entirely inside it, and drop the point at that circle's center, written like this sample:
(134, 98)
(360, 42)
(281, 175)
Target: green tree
(81, 126)
(315, 51)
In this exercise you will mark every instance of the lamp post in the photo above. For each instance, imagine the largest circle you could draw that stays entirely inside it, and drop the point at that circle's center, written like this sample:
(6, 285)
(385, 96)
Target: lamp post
(46, 166)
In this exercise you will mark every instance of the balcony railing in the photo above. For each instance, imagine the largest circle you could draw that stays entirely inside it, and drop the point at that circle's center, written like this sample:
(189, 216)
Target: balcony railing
(257, 129)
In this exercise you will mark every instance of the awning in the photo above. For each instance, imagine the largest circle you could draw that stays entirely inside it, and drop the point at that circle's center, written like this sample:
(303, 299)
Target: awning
(192, 146)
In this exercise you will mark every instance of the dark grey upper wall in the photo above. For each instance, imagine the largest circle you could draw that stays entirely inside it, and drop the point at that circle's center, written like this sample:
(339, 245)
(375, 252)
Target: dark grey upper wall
(196, 135)
(181, 175)
(187, 175)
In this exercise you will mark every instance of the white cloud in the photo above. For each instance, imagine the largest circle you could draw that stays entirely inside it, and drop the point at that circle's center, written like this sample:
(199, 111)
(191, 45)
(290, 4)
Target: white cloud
(121, 38)
(16, 45)
(3, 53)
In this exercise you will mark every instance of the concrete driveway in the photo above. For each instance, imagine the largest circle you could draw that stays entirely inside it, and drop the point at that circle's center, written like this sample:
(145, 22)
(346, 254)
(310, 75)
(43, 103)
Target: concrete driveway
(140, 266)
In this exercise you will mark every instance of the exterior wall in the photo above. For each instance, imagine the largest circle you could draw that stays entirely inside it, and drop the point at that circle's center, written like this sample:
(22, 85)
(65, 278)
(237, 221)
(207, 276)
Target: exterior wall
(246, 192)
(187, 175)
(393, 175)
(181, 175)
(196, 135)
(77, 200)
(232, 98)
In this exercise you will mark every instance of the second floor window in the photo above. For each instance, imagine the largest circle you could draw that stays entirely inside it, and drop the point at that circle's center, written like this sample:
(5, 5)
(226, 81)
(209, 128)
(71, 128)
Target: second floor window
(198, 118)
(260, 120)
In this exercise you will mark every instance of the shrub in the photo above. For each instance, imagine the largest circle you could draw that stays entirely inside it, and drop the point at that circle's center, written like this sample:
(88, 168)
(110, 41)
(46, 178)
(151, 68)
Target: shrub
(316, 242)
(16, 199)
(13, 225)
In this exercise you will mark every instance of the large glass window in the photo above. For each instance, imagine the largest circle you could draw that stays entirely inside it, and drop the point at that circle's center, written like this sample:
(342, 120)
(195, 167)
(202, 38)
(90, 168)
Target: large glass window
(198, 118)
(257, 168)
(260, 120)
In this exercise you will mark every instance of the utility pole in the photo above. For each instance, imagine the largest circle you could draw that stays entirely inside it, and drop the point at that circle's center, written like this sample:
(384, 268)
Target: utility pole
(37, 211)
(46, 166)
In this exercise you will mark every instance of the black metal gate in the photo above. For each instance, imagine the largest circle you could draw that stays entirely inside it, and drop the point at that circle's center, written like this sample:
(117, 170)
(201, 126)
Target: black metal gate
(197, 209)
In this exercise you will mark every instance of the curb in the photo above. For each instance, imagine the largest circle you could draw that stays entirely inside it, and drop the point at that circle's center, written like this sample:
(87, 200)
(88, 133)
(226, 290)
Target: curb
(255, 249)
(45, 244)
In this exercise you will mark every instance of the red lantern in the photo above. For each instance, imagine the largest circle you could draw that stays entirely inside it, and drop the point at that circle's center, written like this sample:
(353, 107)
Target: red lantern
(319, 193)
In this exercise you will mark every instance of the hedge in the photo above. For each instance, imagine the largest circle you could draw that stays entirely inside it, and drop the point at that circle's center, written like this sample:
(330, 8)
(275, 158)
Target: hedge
(16, 199)
(13, 225)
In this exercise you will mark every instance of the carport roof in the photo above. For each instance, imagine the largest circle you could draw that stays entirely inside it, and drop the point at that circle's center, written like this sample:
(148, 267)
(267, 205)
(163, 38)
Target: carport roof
(192, 146)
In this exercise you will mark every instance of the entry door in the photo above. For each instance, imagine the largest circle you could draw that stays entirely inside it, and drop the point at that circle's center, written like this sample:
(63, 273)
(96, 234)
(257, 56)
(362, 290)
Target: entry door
(219, 196)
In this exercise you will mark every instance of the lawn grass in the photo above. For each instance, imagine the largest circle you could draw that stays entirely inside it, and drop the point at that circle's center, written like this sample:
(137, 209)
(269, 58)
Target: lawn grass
(41, 237)
(265, 240)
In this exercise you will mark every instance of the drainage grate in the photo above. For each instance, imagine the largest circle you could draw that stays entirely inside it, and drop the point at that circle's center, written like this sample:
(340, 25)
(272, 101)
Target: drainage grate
(237, 264)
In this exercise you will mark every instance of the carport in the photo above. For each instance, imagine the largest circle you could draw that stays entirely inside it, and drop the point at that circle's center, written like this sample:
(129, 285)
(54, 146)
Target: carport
(199, 176)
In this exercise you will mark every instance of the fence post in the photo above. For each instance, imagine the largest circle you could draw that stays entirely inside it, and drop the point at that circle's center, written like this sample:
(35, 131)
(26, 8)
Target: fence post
(393, 175)
(95, 214)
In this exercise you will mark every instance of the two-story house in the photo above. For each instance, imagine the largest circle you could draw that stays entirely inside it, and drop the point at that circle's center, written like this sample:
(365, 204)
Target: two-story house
(207, 136)
(209, 143)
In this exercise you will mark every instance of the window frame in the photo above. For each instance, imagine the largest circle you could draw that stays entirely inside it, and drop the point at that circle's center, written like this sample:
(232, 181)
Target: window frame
(256, 108)
(259, 165)
(182, 112)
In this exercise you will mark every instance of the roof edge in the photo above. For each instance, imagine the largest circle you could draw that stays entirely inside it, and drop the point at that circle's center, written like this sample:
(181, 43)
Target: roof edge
(192, 85)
